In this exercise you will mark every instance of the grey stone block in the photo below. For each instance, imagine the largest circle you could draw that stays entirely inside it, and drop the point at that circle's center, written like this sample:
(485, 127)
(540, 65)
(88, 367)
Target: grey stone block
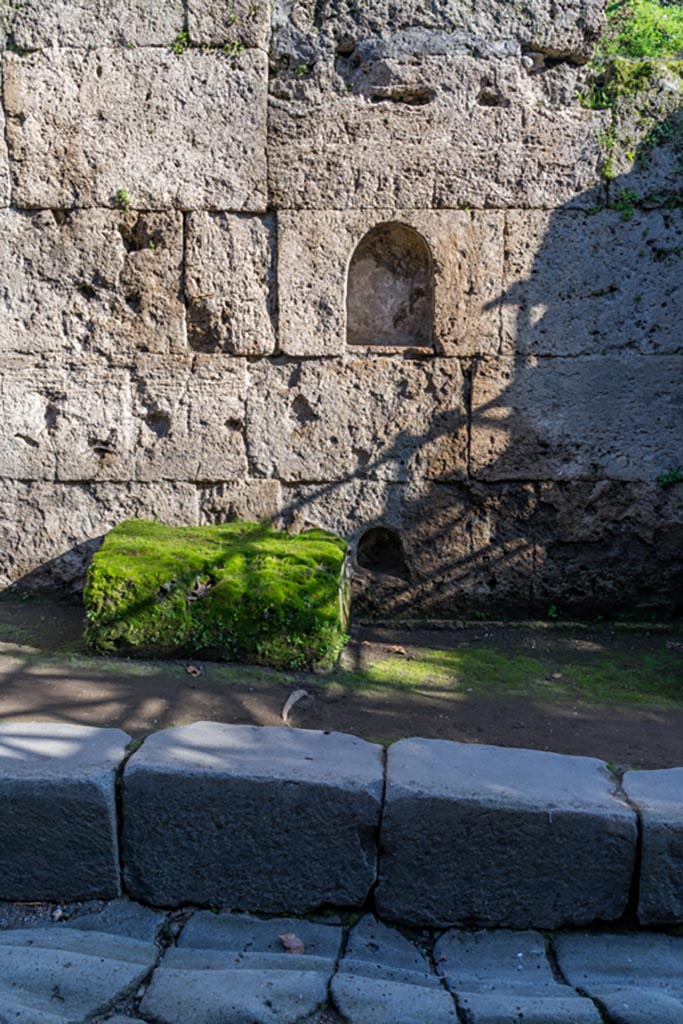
(233, 967)
(500, 977)
(122, 917)
(77, 132)
(36, 23)
(58, 830)
(637, 978)
(498, 836)
(66, 974)
(658, 796)
(385, 979)
(267, 819)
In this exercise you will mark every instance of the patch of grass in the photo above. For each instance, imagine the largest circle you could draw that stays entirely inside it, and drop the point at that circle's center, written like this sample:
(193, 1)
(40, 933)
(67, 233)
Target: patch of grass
(239, 591)
(643, 28)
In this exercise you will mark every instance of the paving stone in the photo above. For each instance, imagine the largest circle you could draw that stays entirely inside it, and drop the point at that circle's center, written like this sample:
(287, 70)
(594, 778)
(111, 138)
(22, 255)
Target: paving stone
(658, 796)
(58, 829)
(267, 819)
(515, 838)
(502, 977)
(68, 973)
(637, 978)
(78, 133)
(233, 967)
(384, 979)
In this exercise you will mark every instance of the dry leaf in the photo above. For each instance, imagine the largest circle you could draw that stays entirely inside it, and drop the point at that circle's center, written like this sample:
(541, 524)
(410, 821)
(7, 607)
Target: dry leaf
(397, 649)
(192, 670)
(291, 942)
(556, 675)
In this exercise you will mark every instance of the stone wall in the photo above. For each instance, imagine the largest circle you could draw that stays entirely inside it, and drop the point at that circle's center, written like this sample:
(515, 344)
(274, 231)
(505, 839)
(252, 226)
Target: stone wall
(183, 186)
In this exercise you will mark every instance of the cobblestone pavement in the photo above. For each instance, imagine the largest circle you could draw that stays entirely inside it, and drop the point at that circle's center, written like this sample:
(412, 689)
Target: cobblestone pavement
(121, 962)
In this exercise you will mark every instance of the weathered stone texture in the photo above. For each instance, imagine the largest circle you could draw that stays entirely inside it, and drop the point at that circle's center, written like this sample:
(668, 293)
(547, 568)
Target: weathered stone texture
(658, 798)
(217, 22)
(58, 830)
(478, 134)
(182, 132)
(37, 24)
(467, 26)
(50, 530)
(90, 282)
(381, 418)
(512, 838)
(585, 285)
(269, 820)
(190, 419)
(252, 500)
(564, 419)
(467, 264)
(230, 283)
(4, 161)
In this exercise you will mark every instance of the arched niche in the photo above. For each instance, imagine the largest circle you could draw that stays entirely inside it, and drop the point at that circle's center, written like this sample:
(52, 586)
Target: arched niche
(390, 289)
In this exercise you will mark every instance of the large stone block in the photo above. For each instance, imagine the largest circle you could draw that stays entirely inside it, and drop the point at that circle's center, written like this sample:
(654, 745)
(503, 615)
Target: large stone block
(658, 798)
(37, 24)
(618, 416)
(577, 284)
(269, 820)
(379, 418)
(79, 132)
(49, 531)
(468, 26)
(190, 418)
(233, 967)
(444, 132)
(71, 423)
(251, 500)
(466, 264)
(512, 838)
(91, 282)
(504, 976)
(230, 283)
(58, 831)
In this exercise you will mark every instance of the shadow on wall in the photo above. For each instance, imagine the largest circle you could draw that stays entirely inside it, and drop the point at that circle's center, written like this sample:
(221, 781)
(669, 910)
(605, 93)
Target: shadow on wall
(568, 426)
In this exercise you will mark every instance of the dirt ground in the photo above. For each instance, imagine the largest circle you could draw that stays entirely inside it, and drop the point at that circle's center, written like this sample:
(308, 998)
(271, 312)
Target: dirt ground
(519, 685)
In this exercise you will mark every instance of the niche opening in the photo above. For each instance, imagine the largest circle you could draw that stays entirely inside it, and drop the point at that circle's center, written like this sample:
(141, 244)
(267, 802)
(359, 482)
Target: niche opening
(380, 551)
(390, 289)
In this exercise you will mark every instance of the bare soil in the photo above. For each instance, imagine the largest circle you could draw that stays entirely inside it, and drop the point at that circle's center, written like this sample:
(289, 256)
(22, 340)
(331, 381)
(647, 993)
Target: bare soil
(46, 675)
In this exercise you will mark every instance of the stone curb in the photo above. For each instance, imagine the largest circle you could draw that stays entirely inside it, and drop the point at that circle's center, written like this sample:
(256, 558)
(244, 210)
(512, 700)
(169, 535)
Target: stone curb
(285, 821)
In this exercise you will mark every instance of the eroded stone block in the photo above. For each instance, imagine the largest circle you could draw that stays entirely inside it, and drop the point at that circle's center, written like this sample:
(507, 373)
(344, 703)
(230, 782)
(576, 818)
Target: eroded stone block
(618, 416)
(190, 419)
(49, 531)
(78, 131)
(585, 285)
(511, 838)
(91, 282)
(430, 134)
(251, 500)
(37, 24)
(239, 22)
(315, 248)
(58, 831)
(382, 418)
(4, 161)
(658, 797)
(272, 820)
(230, 283)
(73, 423)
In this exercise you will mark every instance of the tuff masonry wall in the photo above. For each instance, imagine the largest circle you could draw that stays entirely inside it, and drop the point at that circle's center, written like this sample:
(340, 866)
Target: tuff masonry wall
(183, 187)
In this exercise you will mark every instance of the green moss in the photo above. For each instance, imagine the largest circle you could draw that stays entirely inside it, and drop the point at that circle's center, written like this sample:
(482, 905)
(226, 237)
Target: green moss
(238, 591)
(643, 28)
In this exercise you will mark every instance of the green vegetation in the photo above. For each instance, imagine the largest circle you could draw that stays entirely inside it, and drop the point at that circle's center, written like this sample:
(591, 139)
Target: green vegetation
(181, 43)
(642, 28)
(123, 199)
(671, 477)
(233, 48)
(239, 591)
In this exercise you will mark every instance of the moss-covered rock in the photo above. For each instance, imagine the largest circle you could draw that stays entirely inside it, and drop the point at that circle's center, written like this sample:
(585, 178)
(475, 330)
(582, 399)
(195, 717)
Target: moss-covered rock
(238, 591)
